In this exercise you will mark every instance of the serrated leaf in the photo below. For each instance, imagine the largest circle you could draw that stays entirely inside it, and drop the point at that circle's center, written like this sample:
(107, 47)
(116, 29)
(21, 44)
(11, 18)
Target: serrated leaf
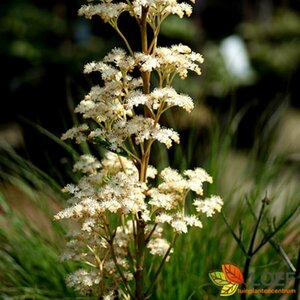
(229, 289)
(233, 273)
(218, 278)
(107, 145)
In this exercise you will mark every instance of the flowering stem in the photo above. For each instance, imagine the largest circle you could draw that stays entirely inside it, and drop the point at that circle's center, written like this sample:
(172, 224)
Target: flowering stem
(135, 155)
(140, 230)
(146, 83)
(153, 44)
(124, 39)
(140, 256)
(118, 195)
(145, 161)
(144, 38)
(140, 239)
(150, 234)
(121, 163)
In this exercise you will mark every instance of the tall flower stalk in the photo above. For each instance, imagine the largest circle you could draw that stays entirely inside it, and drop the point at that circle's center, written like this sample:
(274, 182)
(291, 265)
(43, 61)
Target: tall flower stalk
(123, 214)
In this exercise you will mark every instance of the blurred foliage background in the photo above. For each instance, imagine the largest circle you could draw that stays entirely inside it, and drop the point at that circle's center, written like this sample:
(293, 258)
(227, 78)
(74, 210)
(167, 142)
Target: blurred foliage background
(245, 129)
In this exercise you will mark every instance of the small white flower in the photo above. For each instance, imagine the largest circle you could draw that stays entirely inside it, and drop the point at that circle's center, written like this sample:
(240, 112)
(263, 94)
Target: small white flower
(158, 246)
(196, 178)
(173, 181)
(209, 206)
(193, 221)
(88, 224)
(147, 62)
(179, 225)
(161, 200)
(76, 133)
(163, 218)
(87, 164)
(107, 11)
(82, 280)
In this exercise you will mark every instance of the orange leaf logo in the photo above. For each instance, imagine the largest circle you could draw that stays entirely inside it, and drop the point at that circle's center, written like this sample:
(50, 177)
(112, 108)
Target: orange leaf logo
(233, 273)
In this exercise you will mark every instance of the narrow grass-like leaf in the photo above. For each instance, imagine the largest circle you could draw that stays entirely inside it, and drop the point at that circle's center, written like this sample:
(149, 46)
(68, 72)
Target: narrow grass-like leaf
(269, 236)
(53, 137)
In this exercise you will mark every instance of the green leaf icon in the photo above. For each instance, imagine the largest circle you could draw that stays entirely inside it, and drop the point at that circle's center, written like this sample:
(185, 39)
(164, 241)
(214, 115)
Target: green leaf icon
(218, 278)
(229, 289)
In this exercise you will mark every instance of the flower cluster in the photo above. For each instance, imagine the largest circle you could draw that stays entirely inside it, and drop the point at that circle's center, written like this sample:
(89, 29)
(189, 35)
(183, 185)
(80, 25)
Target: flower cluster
(113, 106)
(178, 59)
(109, 11)
(168, 199)
(96, 252)
(123, 204)
(113, 187)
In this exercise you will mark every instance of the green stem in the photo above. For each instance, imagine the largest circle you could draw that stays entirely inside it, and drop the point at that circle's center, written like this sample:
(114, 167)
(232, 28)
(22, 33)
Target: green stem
(156, 31)
(140, 239)
(145, 162)
(237, 239)
(144, 38)
(161, 266)
(140, 257)
(115, 26)
(250, 252)
(150, 234)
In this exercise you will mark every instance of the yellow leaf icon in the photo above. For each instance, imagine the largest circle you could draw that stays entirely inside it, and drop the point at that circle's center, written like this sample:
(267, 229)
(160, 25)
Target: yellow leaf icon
(229, 289)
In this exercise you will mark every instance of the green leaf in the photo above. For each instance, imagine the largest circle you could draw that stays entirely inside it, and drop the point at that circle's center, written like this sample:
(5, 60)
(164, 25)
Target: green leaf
(107, 145)
(218, 278)
(53, 137)
(229, 289)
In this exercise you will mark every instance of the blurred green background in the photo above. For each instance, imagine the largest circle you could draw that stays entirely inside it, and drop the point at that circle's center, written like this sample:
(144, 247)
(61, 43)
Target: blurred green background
(245, 129)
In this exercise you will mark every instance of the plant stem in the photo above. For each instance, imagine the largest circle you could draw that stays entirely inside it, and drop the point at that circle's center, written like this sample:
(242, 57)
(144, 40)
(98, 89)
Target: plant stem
(161, 266)
(124, 39)
(250, 251)
(144, 38)
(150, 234)
(140, 256)
(237, 239)
(297, 278)
(140, 239)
